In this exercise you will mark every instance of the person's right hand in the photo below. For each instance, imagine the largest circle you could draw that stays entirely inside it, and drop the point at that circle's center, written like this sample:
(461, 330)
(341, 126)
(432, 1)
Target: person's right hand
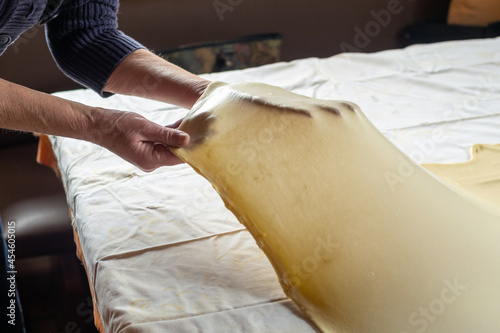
(136, 139)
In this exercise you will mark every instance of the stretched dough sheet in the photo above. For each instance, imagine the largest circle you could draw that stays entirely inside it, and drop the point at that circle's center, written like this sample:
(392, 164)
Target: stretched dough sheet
(480, 175)
(356, 231)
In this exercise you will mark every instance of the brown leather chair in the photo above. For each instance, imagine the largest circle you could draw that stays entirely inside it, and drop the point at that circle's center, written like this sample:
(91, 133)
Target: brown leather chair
(33, 197)
(51, 281)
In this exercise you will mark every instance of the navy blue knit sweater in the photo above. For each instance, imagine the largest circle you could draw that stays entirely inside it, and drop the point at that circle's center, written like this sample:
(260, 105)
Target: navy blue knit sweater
(83, 36)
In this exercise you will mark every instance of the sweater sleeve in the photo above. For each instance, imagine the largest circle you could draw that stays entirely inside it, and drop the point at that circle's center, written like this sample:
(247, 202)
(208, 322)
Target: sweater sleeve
(86, 44)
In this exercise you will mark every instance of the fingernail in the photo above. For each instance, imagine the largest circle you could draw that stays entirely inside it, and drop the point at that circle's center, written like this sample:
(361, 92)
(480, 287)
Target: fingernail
(183, 138)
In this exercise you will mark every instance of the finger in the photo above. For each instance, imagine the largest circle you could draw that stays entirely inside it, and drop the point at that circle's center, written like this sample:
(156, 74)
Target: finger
(155, 156)
(175, 160)
(176, 124)
(177, 138)
(168, 136)
(163, 156)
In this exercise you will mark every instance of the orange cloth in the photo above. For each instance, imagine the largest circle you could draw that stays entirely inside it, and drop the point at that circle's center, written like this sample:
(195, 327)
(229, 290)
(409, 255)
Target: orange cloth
(79, 254)
(45, 156)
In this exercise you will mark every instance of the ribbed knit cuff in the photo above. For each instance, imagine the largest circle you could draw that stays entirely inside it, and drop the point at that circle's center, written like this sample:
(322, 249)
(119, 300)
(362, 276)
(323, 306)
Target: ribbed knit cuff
(87, 46)
(91, 61)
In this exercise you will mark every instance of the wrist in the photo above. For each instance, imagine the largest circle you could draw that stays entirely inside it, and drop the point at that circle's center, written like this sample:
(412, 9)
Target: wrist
(101, 124)
(198, 90)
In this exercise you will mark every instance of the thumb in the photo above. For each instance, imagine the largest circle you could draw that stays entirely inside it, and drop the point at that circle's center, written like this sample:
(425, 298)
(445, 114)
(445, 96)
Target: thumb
(169, 136)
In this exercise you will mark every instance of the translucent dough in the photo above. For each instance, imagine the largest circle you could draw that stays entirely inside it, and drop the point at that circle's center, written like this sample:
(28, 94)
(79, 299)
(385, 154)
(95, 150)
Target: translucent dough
(361, 238)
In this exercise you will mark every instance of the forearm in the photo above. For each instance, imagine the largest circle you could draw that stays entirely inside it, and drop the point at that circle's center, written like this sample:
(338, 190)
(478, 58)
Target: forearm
(127, 134)
(146, 75)
(27, 110)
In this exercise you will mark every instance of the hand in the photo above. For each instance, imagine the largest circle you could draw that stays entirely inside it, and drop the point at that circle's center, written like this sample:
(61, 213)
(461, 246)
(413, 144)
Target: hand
(138, 140)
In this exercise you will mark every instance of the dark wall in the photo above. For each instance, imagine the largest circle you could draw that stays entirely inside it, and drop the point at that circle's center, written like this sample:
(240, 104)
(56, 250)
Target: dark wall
(310, 28)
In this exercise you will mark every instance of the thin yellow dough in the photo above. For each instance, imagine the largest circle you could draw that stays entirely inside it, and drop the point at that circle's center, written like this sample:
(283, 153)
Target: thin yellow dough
(362, 239)
(480, 175)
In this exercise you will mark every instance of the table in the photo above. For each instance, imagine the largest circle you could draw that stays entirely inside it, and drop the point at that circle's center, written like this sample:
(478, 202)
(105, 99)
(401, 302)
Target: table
(162, 252)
